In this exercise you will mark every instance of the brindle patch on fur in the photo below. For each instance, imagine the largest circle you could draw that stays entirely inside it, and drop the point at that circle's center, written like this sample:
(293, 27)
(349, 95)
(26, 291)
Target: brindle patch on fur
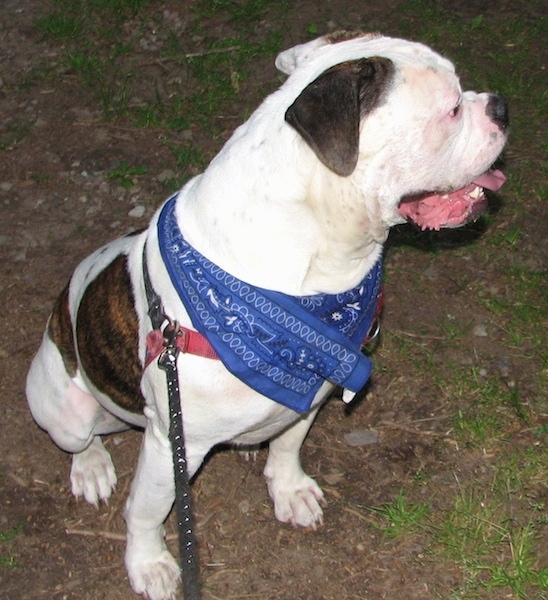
(107, 336)
(342, 35)
(60, 331)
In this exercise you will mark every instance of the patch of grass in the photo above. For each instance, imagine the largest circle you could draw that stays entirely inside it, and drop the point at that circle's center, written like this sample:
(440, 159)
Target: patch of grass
(9, 561)
(125, 174)
(489, 410)
(476, 427)
(7, 536)
(103, 76)
(519, 475)
(508, 238)
(453, 328)
(521, 311)
(401, 516)
(41, 178)
(60, 26)
(469, 528)
(13, 132)
(101, 36)
(493, 551)
(191, 80)
(247, 12)
(188, 159)
(95, 46)
(519, 571)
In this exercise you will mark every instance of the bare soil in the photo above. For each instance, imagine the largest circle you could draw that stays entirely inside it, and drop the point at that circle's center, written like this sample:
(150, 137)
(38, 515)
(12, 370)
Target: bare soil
(67, 549)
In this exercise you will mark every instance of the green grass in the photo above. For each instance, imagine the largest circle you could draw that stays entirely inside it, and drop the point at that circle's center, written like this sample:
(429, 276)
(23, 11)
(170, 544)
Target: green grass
(493, 551)
(192, 79)
(520, 570)
(454, 328)
(8, 560)
(478, 533)
(7, 536)
(400, 516)
(13, 132)
(99, 38)
(126, 174)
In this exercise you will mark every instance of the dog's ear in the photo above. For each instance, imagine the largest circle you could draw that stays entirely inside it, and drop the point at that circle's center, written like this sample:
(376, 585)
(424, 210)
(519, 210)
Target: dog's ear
(288, 60)
(327, 112)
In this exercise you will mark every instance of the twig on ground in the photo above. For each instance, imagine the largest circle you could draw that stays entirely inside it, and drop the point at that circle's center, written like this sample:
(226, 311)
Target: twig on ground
(108, 535)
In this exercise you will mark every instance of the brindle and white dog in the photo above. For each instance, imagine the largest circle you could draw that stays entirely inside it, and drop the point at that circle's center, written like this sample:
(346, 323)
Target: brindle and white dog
(366, 132)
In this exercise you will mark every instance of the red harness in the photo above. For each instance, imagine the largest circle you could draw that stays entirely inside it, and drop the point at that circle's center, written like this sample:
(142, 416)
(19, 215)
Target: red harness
(186, 340)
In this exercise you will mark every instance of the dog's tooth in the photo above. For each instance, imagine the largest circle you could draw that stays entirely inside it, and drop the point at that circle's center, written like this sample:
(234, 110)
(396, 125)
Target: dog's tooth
(476, 192)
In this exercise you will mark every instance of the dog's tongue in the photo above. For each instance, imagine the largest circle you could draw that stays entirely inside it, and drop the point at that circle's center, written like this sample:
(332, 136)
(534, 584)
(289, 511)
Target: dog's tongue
(491, 180)
(455, 208)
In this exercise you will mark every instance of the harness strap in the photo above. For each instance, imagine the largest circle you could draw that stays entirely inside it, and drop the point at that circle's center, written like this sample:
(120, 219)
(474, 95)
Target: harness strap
(186, 340)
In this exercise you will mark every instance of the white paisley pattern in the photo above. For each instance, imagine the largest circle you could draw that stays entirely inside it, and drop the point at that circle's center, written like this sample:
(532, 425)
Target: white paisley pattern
(282, 346)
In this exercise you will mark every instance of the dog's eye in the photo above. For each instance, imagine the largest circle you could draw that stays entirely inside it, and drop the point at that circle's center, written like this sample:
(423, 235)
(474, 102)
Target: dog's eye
(455, 111)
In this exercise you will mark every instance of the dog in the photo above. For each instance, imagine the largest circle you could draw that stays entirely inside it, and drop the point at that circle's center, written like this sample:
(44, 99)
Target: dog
(366, 132)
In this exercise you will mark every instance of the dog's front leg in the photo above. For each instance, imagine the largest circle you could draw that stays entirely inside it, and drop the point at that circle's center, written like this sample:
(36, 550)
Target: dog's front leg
(151, 568)
(297, 497)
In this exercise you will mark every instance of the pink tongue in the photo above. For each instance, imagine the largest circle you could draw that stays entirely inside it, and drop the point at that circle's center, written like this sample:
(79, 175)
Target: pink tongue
(492, 180)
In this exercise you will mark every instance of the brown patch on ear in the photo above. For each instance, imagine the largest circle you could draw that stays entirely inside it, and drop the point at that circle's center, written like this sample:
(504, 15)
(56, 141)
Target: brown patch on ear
(327, 112)
(60, 331)
(342, 35)
(107, 336)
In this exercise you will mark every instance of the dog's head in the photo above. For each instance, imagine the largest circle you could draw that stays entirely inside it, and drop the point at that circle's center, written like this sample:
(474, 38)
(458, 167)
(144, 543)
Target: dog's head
(390, 115)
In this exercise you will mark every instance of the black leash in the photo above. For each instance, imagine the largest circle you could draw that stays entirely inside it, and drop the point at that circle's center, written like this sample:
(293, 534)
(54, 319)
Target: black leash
(167, 361)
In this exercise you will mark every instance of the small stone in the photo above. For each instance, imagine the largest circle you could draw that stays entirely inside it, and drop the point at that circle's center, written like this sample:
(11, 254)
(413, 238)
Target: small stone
(480, 330)
(165, 175)
(334, 478)
(6, 186)
(361, 437)
(432, 273)
(137, 212)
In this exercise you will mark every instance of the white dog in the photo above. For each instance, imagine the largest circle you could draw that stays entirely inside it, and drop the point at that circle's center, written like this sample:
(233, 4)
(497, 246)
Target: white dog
(367, 132)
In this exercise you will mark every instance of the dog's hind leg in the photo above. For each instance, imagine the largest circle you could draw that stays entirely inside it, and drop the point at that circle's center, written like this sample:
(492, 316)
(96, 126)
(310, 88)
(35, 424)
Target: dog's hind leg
(297, 497)
(74, 420)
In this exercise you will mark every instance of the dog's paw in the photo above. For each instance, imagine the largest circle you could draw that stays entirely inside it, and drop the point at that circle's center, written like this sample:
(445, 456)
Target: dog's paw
(92, 474)
(157, 579)
(298, 503)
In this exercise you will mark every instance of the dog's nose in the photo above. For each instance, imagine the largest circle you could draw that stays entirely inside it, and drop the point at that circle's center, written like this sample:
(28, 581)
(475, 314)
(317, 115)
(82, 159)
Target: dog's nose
(497, 110)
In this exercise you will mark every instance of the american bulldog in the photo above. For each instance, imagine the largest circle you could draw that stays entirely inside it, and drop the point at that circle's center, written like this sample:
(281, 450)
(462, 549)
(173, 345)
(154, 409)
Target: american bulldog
(269, 263)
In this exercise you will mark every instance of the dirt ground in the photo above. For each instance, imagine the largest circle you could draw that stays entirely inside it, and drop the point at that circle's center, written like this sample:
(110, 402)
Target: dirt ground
(49, 223)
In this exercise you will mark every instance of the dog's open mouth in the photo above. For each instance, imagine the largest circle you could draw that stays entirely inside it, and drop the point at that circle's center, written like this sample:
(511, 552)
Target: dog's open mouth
(434, 211)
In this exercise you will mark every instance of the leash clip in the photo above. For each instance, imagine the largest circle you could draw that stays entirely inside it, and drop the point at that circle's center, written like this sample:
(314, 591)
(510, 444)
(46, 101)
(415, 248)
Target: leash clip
(172, 346)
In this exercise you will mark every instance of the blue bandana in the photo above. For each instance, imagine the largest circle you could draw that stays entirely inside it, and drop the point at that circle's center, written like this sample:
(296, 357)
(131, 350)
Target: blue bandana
(282, 346)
